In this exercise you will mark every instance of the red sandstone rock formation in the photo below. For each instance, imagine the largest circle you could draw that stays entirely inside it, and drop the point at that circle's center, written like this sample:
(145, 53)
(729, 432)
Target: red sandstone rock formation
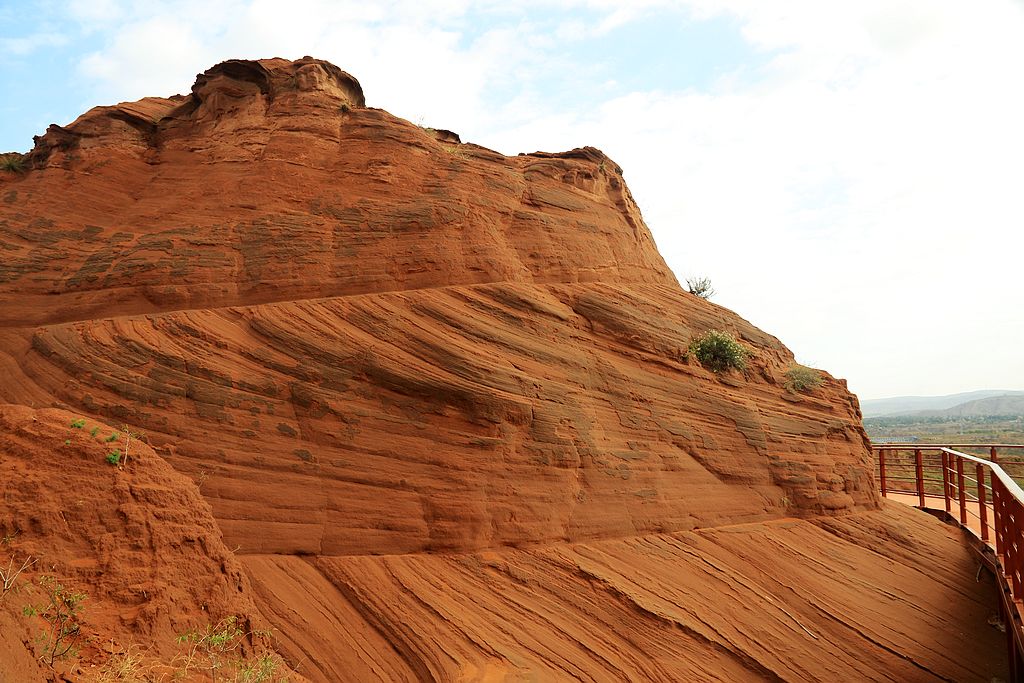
(139, 540)
(362, 338)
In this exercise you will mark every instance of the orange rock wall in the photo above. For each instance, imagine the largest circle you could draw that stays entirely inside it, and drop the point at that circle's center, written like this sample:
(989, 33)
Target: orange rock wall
(479, 416)
(237, 196)
(440, 404)
(367, 338)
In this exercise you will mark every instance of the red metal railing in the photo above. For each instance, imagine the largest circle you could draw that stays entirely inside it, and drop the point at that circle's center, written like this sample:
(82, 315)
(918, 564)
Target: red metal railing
(990, 505)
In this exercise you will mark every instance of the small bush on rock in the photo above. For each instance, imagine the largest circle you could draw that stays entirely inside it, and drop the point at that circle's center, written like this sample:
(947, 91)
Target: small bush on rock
(12, 163)
(62, 613)
(719, 351)
(802, 378)
(700, 286)
(216, 650)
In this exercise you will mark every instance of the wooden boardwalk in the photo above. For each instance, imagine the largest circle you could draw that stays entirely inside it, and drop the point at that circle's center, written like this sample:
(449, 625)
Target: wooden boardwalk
(933, 502)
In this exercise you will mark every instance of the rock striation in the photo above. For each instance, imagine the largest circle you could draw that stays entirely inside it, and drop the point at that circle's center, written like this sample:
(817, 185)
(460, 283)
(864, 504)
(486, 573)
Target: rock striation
(413, 377)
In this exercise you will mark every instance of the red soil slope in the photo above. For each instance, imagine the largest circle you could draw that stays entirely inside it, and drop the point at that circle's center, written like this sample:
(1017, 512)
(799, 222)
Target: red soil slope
(139, 540)
(362, 338)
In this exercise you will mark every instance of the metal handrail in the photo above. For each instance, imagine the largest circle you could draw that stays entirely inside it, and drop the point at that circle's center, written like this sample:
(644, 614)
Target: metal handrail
(1007, 511)
(918, 444)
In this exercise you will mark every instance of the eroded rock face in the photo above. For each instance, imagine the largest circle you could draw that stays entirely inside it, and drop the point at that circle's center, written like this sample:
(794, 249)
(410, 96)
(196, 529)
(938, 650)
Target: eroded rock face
(272, 182)
(360, 337)
(462, 417)
(137, 540)
(369, 338)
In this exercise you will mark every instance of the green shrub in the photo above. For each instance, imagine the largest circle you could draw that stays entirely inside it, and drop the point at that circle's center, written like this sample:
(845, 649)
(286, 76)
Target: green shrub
(114, 457)
(700, 286)
(94, 431)
(802, 378)
(78, 424)
(61, 612)
(111, 438)
(262, 669)
(719, 351)
(218, 651)
(13, 163)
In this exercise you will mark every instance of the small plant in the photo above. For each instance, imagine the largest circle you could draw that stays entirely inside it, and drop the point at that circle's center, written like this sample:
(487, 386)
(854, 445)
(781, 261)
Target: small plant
(114, 457)
(94, 431)
(129, 435)
(211, 648)
(78, 424)
(719, 351)
(111, 439)
(12, 163)
(456, 151)
(9, 576)
(67, 442)
(125, 666)
(802, 378)
(700, 286)
(259, 670)
(61, 612)
(215, 650)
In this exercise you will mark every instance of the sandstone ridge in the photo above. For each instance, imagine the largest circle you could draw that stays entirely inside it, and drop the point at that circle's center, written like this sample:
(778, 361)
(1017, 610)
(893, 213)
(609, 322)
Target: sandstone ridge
(412, 376)
(300, 192)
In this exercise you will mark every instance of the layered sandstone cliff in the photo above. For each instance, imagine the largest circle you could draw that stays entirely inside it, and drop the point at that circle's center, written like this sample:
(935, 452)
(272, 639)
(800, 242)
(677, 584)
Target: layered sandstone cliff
(364, 338)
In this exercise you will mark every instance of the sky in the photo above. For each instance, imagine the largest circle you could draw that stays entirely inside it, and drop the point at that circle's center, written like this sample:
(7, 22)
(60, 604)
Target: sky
(849, 175)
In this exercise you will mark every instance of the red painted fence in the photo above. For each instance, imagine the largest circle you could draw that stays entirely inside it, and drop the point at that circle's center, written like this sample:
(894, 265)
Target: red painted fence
(981, 493)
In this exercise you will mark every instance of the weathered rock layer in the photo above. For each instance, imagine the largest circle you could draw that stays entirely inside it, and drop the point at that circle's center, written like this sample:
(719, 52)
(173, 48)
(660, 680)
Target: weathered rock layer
(361, 337)
(855, 598)
(138, 541)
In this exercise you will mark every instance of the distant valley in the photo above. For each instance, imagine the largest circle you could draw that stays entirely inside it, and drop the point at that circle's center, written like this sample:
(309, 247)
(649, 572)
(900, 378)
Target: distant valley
(987, 416)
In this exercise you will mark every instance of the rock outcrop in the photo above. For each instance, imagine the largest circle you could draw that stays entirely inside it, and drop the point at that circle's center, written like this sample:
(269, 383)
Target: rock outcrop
(364, 338)
(137, 540)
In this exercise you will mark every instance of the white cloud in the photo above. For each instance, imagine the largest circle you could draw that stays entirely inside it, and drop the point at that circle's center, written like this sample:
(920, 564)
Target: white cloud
(26, 45)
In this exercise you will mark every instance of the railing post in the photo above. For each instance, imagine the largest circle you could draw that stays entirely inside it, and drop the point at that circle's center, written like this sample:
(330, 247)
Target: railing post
(961, 488)
(946, 493)
(982, 505)
(994, 454)
(1013, 549)
(919, 465)
(881, 470)
(997, 515)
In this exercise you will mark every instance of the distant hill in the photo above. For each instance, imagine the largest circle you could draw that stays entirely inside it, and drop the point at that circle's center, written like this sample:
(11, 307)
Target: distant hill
(908, 405)
(1008, 404)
